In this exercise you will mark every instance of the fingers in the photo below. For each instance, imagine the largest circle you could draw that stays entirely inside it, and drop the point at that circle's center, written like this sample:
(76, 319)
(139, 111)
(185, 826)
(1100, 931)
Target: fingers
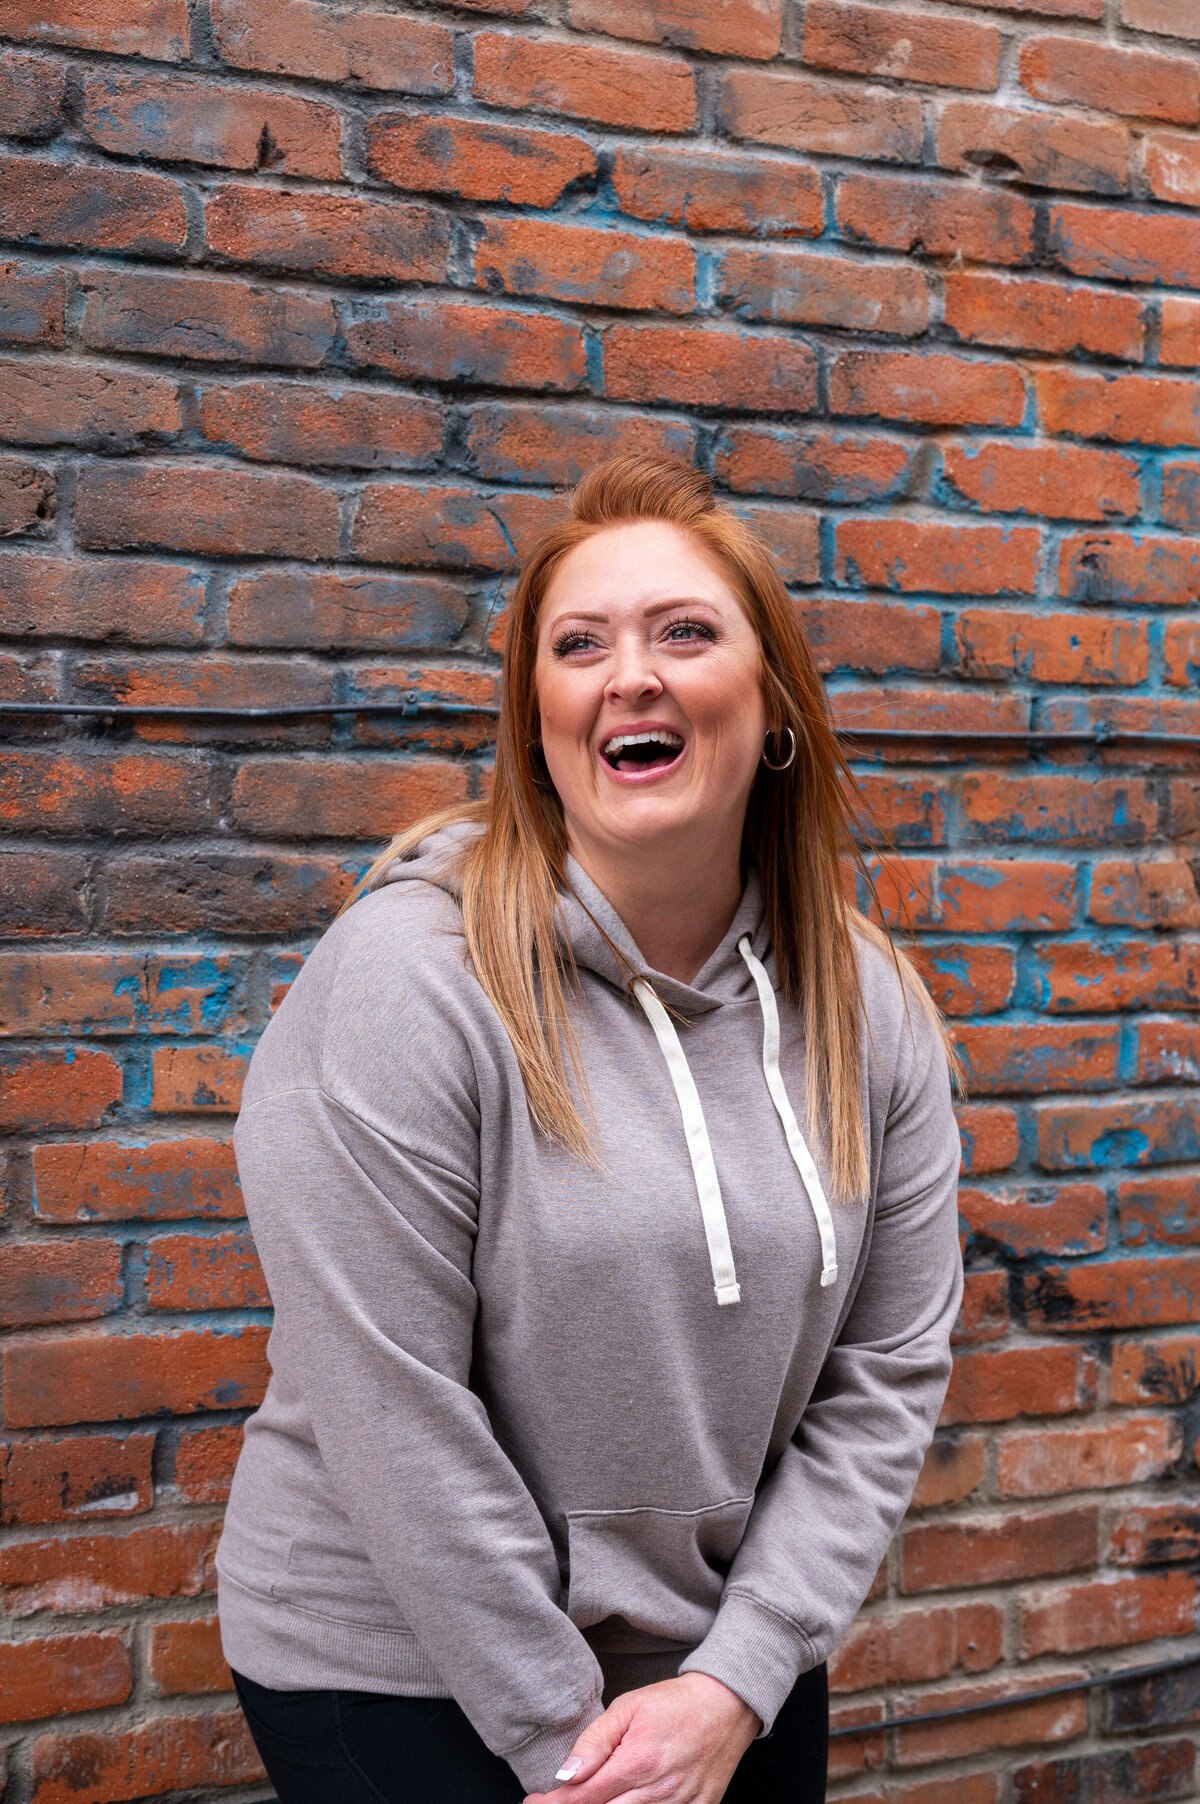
(594, 1746)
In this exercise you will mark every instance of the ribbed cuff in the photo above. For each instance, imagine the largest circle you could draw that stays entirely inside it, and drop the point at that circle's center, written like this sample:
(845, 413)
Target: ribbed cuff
(537, 1760)
(757, 1653)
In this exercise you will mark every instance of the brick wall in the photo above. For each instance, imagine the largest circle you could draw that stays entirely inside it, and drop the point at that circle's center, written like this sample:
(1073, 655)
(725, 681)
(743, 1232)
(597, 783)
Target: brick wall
(306, 310)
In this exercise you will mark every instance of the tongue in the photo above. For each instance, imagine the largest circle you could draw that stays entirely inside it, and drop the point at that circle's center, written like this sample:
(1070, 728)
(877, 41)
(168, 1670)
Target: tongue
(651, 758)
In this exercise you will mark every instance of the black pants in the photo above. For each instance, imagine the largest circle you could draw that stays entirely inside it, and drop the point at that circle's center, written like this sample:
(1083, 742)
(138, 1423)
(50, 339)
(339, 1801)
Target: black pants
(357, 1747)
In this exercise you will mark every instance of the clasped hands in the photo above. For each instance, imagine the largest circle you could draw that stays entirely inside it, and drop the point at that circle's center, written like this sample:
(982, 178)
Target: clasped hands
(676, 1742)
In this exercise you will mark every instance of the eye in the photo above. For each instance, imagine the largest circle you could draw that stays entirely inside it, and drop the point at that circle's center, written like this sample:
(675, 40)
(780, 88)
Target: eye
(686, 631)
(573, 640)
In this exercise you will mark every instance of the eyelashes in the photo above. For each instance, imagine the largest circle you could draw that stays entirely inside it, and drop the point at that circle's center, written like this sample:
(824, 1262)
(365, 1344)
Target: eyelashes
(576, 639)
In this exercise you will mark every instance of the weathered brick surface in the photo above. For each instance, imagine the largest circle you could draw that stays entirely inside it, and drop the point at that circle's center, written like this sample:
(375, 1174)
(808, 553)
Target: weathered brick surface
(307, 311)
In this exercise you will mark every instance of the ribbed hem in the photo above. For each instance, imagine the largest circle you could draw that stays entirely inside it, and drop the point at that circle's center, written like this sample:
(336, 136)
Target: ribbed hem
(290, 1649)
(537, 1760)
(754, 1651)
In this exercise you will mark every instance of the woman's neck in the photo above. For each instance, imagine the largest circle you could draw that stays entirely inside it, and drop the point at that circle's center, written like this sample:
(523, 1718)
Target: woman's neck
(677, 911)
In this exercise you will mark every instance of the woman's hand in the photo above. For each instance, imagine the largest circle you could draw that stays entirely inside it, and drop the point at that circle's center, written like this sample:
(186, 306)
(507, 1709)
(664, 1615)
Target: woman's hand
(677, 1742)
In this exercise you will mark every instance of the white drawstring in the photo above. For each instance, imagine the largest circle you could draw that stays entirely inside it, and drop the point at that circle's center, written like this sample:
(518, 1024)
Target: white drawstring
(805, 1163)
(712, 1209)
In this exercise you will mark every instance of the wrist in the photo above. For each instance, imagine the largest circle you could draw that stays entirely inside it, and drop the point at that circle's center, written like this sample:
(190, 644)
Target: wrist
(719, 1697)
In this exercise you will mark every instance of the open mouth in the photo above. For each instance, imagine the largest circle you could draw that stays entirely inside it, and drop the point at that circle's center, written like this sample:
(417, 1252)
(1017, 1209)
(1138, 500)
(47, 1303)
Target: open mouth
(640, 752)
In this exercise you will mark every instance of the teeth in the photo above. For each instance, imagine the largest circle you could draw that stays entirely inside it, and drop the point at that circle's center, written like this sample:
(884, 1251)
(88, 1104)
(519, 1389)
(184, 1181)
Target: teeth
(613, 746)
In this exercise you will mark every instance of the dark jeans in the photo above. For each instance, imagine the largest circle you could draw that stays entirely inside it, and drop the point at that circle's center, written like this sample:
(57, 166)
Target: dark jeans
(357, 1747)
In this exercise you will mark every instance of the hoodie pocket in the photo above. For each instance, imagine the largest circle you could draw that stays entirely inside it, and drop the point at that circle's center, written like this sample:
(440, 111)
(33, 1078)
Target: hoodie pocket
(661, 1571)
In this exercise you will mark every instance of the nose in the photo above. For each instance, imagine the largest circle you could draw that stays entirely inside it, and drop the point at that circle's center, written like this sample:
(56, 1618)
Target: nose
(632, 676)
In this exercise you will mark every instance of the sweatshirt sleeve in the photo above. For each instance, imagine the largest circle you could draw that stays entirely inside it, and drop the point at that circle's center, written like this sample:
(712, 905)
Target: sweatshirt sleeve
(362, 1193)
(825, 1517)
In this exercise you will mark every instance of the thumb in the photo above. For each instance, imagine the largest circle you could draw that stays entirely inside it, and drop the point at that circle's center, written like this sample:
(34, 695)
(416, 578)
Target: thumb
(596, 1743)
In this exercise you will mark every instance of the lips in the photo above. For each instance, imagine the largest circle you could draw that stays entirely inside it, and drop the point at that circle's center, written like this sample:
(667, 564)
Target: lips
(650, 750)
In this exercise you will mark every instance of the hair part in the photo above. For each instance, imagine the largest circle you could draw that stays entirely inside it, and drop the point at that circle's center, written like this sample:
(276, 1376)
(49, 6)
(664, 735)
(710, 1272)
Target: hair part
(798, 832)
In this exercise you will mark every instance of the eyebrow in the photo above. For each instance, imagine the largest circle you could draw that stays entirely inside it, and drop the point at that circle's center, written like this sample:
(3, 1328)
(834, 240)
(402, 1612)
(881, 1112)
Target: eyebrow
(659, 607)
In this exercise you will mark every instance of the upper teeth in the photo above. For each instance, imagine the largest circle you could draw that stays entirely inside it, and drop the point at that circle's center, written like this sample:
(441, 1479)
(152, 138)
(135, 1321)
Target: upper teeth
(621, 740)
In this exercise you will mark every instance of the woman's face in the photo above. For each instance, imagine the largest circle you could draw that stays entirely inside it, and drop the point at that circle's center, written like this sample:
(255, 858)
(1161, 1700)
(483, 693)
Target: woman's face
(650, 693)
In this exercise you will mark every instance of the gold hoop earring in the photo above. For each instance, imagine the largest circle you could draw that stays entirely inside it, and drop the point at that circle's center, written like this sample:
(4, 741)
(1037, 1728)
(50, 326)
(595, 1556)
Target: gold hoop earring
(791, 757)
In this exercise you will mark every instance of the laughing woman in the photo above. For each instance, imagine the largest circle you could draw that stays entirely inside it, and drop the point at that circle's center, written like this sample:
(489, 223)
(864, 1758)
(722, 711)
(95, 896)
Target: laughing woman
(602, 1166)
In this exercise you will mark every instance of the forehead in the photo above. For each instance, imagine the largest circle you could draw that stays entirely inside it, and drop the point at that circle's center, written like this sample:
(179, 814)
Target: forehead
(625, 569)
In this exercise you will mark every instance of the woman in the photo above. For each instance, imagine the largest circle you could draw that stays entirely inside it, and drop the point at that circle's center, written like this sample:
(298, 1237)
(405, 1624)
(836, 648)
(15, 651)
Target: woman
(598, 1384)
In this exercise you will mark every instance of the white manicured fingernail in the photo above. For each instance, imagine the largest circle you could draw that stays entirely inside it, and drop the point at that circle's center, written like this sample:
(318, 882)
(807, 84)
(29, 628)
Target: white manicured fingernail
(569, 1769)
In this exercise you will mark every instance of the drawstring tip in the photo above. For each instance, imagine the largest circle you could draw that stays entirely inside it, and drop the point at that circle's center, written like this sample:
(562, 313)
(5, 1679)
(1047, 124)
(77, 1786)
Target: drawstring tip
(828, 1276)
(729, 1293)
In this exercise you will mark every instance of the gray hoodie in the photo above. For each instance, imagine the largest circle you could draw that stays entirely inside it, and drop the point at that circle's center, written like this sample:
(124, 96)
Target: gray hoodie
(539, 1431)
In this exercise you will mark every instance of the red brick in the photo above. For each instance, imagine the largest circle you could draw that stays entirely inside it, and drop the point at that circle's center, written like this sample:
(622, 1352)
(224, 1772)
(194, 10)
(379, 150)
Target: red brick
(59, 1673)
(1179, 332)
(32, 305)
(706, 367)
(1181, 495)
(1138, 1131)
(204, 1271)
(1155, 410)
(580, 263)
(1121, 1776)
(404, 523)
(329, 234)
(218, 891)
(450, 341)
(28, 497)
(990, 1138)
(97, 408)
(185, 1658)
(791, 286)
(99, 598)
(1160, 892)
(1018, 896)
(477, 158)
(935, 557)
(1139, 571)
(1051, 1719)
(1140, 84)
(1004, 1058)
(756, 196)
(222, 511)
(68, 1281)
(32, 89)
(966, 979)
(872, 636)
(1019, 1381)
(98, 993)
(90, 1572)
(1122, 1293)
(86, 207)
(1044, 150)
(997, 645)
(151, 28)
(1109, 1613)
(290, 423)
(167, 1753)
(326, 610)
(341, 45)
(82, 1377)
(967, 1788)
(171, 1180)
(985, 1314)
(197, 1080)
(1183, 810)
(907, 1646)
(1173, 167)
(74, 1088)
(1069, 811)
(1067, 1218)
(1080, 977)
(815, 463)
(173, 120)
(527, 442)
(1168, 1052)
(1121, 245)
(204, 1462)
(43, 892)
(1154, 1535)
(1156, 1371)
(1057, 482)
(1173, 18)
(208, 319)
(954, 1467)
(918, 47)
(1160, 1211)
(1044, 316)
(749, 28)
(833, 119)
(941, 1556)
(585, 81)
(340, 797)
(75, 1478)
(927, 389)
(935, 219)
(905, 811)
